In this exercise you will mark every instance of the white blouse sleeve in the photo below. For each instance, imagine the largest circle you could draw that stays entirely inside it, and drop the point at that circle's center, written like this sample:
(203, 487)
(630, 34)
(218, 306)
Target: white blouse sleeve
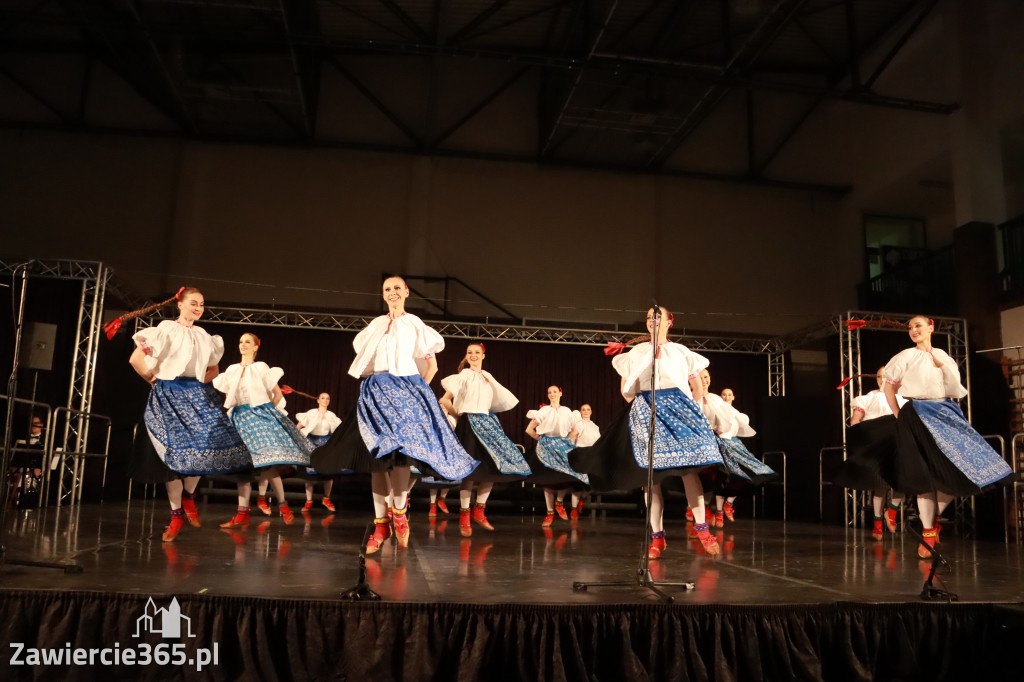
(502, 399)
(452, 384)
(896, 368)
(950, 375)
(428, 341)
(271, 376)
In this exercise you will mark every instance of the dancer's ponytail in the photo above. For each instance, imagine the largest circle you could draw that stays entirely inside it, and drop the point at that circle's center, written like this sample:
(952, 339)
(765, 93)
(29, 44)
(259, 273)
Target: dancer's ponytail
(111, 327)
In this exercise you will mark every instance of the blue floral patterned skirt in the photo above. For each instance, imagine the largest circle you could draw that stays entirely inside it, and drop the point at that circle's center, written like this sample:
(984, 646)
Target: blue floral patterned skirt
(940, 451)
(485, 441)
(683, 443)
(272, 439)
(189, 431)
(549, 463)
(401, 415)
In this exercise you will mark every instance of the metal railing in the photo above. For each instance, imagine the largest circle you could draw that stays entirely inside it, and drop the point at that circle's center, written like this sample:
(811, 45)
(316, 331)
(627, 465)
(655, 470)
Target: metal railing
(77, 457)
(783, 483)
(47, 441)
(1016, 453)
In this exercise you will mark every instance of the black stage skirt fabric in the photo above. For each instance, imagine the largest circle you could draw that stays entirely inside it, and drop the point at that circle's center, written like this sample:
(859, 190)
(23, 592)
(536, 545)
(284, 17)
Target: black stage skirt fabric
(550, 478)
(871, 456)
(921, 466)
(346, 452)
(610, 463)
(487, 471)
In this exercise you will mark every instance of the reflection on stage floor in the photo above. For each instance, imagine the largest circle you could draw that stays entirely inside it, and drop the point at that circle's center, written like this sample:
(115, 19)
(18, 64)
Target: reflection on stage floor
(762, 562)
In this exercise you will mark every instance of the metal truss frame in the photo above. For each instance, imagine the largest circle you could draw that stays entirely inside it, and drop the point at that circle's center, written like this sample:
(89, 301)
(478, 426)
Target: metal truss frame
(955, 331)
(95, 278)
(528, 333)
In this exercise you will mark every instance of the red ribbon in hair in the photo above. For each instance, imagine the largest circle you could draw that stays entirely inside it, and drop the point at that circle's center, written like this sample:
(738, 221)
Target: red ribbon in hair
(287, 389)
(845, 381)
(178, 295)
(614, 348)
(855, 324)
(111, 327)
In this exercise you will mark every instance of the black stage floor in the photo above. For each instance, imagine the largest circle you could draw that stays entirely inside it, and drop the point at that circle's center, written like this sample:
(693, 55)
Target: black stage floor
(784, 601)
(762, 562)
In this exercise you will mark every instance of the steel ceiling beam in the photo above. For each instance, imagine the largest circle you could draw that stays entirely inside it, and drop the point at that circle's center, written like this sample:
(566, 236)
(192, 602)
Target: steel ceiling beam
(383, 108)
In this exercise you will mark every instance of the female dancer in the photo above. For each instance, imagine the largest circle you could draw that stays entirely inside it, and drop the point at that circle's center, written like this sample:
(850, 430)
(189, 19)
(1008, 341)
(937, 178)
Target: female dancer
(729, 424)
(939, 455)
(189, 432)
(473, 396)
(871, 452)
(317, 425)
(549, 426)
(584, 433)
(683, 441)
(251, 393)
(398, 419)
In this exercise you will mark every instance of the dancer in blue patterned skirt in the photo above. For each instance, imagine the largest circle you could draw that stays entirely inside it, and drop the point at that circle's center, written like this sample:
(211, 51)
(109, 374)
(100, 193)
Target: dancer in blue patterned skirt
(939, 455)
(683, 441)
(473, 396)
(255, 405)
(398, 421)
(317, 425)
(189, 434)
(729, 424)
(550, 425)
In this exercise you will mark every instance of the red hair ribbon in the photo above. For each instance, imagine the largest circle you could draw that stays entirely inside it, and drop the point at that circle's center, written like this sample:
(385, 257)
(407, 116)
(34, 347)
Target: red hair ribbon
(614, 348)
(178, 295)
(482, 347)
(111, 327)
(855, 324)
(287, 390)
(845, 381)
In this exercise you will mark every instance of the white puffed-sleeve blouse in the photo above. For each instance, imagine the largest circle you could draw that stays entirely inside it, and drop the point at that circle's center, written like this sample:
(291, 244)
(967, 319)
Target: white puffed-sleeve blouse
(393, 345)
(676, 365)
(176, 350)
(478, 392)
(248, 384)
(918, 377)
(316, 423)
(551, 421)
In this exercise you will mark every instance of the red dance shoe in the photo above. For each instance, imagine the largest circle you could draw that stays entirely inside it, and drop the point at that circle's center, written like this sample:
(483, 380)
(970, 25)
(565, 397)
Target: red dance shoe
(263, 505)
(876, 531)
(730, 511)
(191, 513)
(719, 520)
(891, 514)
(442, 505)
(481, 519)
(574, 515)
(432, 513)
(579, 507)
(548, 520)
(309, 505)
(239, 520)
(930, 535)
(380, 534)
(177, 521)
(465, 522)
(327, 503)
(401, 522)
(560, 510)
(657, 545)
(286, 514)
(708, 541)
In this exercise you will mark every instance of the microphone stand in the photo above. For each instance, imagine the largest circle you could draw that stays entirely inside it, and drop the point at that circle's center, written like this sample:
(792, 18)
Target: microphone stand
(643, 574)
(928, 591)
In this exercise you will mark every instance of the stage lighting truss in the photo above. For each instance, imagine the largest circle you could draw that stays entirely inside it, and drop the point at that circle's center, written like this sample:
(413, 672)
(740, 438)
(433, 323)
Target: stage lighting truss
(96, 279)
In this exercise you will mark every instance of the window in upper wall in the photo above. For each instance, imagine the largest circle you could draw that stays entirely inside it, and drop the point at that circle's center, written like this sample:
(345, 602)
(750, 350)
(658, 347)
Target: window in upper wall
(891, 242)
